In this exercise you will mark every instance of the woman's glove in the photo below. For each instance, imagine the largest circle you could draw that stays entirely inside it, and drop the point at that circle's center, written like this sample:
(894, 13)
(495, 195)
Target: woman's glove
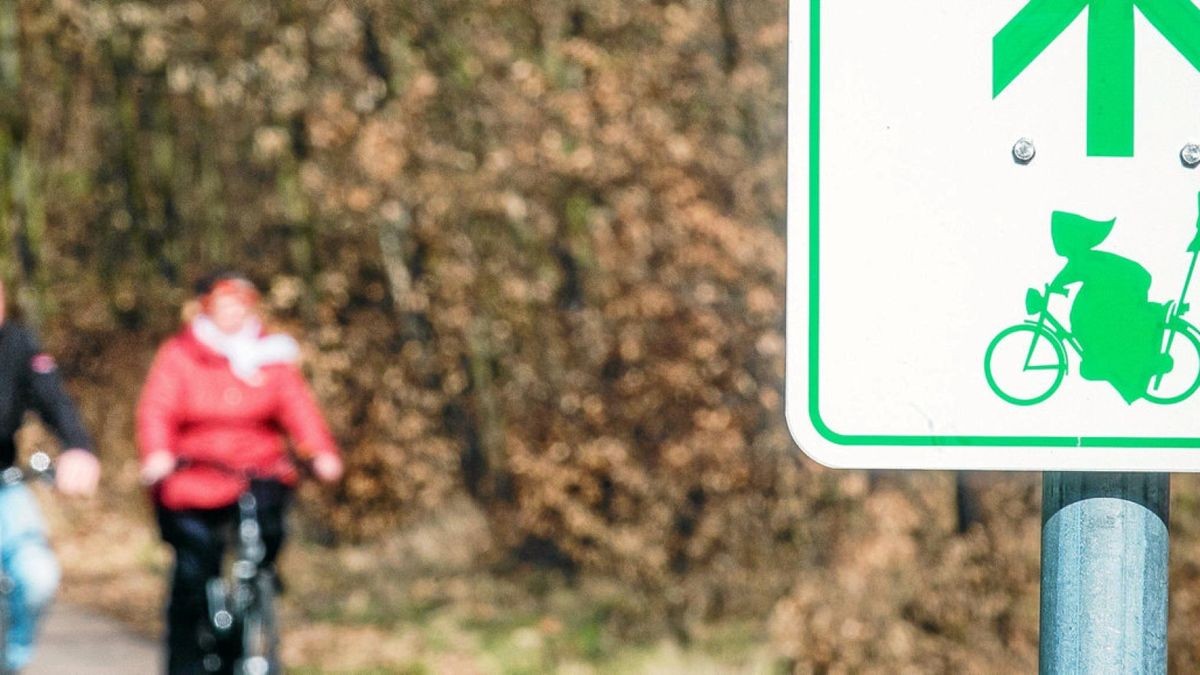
(157, 466)
(327, 468)
(77, 473)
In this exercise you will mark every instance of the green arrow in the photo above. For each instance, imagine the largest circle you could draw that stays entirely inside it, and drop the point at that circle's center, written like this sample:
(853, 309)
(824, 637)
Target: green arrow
(1110, 55)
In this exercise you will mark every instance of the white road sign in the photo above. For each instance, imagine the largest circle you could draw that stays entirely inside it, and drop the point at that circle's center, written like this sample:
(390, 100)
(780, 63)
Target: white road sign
(992, 234)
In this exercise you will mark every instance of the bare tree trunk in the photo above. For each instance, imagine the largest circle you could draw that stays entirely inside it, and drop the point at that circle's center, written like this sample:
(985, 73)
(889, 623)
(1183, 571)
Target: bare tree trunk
(968, 506)
(392, 233)
(495, 481)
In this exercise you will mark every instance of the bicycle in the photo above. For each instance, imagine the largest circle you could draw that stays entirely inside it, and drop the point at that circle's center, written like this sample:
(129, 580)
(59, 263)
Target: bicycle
(1045, 341)
(41, 467)
(241, 623)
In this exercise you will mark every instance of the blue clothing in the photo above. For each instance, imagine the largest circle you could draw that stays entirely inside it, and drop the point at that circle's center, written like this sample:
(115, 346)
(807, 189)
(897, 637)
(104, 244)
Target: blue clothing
(29, 564)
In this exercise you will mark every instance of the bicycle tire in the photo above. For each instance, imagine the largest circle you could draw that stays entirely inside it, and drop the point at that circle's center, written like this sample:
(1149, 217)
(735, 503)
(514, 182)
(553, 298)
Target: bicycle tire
(1039, 332)
(1189, 332)
(260, 637)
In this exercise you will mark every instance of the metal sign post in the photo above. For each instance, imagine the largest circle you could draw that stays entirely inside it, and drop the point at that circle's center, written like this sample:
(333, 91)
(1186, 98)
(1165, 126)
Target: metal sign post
(1104, 572)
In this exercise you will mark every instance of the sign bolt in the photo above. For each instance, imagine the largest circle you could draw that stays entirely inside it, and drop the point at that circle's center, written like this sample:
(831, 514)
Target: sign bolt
(1024, 152)
(1190, 155)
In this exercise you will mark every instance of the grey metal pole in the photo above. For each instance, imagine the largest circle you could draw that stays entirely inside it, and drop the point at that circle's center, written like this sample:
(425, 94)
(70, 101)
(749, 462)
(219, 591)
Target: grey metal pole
(1104, 572)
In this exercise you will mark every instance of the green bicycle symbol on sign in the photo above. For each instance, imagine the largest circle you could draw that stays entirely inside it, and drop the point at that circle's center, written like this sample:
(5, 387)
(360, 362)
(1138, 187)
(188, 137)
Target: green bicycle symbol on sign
(1143, 349)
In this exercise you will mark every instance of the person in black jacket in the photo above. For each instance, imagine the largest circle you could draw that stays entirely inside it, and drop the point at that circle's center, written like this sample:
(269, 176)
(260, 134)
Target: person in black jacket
(29, 381)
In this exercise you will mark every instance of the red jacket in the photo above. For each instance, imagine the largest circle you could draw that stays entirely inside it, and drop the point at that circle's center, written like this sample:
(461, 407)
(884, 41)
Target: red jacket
(194, 406)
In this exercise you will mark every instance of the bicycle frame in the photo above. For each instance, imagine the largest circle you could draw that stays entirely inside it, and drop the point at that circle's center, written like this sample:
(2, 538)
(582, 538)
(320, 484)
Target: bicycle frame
(249, 552)
(1058, 330)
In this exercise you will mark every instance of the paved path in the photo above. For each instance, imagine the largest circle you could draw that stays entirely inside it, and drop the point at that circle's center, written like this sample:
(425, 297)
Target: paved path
(81, 642)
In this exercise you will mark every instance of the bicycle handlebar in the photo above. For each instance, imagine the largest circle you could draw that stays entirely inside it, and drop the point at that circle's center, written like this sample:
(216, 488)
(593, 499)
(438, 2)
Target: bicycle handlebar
(246, 474)
(194, 462)
(41, 467)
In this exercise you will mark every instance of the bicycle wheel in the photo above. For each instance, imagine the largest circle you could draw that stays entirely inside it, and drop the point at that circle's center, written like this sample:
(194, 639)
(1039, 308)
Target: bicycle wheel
(1025, 364)
(260, 637)
(1184, 377)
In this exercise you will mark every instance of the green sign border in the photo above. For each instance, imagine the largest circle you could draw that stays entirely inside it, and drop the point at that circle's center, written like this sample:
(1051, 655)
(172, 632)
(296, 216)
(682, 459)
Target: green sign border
(814, 319)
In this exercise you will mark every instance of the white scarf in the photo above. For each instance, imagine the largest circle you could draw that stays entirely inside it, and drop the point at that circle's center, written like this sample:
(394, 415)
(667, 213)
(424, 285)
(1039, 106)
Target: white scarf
(247, 350)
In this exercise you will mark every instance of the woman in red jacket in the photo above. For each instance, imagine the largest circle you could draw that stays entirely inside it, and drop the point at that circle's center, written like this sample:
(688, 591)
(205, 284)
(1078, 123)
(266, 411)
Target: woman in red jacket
(223, 392)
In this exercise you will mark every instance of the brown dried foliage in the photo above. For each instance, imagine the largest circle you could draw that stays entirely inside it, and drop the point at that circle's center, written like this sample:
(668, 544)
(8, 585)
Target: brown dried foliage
(535, 248)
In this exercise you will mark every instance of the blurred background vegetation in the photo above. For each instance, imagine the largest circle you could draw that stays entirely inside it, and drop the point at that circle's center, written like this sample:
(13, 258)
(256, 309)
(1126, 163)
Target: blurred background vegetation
(534, 250)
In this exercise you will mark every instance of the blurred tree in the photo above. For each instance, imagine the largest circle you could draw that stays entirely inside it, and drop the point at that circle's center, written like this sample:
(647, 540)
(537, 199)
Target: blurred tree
(534, 249)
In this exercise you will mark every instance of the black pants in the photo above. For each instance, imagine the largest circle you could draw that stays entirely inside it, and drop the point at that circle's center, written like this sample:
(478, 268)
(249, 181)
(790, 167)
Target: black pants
(199, 538)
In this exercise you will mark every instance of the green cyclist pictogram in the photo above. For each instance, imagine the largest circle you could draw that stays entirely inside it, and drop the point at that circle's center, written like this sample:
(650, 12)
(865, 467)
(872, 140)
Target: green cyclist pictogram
(1110, 55)
(1143, 349)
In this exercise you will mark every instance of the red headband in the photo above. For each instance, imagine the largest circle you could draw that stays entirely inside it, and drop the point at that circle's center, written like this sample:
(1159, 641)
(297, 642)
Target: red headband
(239, 288)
